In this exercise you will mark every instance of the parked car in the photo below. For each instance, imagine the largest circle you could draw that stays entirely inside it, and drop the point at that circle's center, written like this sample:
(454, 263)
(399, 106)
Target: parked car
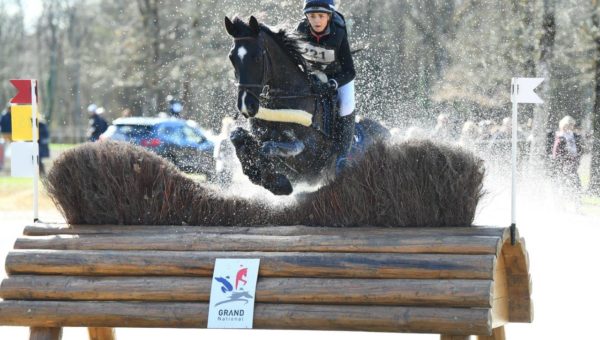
(182, 142)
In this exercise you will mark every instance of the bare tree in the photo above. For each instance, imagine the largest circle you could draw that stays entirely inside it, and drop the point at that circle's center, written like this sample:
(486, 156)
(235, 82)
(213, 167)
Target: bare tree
(151, 24)
(435, 22)
(76, 33)
(595, 173)
(12, 38)
(541, 123)
(51, 36)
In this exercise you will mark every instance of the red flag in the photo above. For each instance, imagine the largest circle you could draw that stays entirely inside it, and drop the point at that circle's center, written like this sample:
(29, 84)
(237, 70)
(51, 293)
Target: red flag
(23, 87)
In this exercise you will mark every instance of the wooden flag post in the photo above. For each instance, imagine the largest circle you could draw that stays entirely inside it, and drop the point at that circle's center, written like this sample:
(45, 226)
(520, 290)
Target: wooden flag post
(25, 100)
(522, 91)
(36, 150)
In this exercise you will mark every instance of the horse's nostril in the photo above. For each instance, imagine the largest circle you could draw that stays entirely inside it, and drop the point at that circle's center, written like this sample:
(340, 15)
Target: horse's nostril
(248, 104)
(252, 109)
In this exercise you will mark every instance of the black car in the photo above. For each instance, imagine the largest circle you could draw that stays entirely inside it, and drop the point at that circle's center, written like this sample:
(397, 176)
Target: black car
(181, 142)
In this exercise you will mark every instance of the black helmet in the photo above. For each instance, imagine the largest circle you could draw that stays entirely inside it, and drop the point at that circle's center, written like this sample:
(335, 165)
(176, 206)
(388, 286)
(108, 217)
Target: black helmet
(326, 6)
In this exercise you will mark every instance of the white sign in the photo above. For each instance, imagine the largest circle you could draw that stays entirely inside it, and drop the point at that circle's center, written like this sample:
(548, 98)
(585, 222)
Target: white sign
(232, 293)
(317, 54)
(21, 161)
(523, 90)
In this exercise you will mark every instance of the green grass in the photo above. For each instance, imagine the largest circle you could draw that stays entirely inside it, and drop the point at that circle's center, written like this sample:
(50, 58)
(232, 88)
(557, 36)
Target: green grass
(61, 147)
(591, 200)
(10, 185)
(7, 181)
(590, 205)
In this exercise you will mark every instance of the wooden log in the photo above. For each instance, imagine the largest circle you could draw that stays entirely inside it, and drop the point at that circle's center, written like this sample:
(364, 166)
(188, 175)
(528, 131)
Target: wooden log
(516, 257)
(497, 334)
(367, 243)
(49, 229)
(500, 302)
(521, 310)
(101, 333)
(519, 283)
(454, 321)
(45, 333)
(324, 265)
(445, 293)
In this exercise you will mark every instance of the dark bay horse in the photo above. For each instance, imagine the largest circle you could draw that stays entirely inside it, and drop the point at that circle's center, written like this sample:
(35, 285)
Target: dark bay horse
(288, 140)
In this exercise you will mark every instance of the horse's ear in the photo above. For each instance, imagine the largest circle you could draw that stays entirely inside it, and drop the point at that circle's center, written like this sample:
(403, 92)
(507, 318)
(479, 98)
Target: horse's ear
(229, 27)
(254, 24)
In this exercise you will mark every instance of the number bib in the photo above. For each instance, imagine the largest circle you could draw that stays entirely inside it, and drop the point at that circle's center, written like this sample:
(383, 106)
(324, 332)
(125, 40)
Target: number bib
(317, 54)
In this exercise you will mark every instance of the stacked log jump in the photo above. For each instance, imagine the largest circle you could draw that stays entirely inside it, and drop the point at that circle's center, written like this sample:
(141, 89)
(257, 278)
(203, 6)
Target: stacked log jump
(455, 282)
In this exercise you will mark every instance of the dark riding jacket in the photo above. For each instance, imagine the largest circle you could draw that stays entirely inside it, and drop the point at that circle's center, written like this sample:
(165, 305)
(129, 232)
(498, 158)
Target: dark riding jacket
(329, 51)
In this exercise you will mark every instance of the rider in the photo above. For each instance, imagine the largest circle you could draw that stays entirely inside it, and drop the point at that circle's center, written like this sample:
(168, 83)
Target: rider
(327, 50)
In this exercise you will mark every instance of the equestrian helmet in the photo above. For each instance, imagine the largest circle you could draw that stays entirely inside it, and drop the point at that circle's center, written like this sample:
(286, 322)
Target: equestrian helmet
(325, 6)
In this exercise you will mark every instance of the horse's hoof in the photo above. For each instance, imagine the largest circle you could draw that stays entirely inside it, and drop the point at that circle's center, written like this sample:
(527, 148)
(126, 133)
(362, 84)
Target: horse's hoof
(279, 185)
(238, 137)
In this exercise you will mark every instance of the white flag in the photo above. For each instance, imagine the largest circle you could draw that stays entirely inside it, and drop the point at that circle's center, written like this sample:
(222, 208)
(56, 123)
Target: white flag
(523, 90)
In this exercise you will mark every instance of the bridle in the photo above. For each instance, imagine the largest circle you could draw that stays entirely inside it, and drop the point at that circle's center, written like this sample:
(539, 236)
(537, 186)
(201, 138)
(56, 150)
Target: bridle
(249, 87)
(266, 92)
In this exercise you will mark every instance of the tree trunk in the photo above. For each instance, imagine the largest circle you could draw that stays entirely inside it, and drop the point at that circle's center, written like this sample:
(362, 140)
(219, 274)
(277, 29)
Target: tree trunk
(53, 45)
(149, 11)
(594, 187)
(76, 35)
(541, 113)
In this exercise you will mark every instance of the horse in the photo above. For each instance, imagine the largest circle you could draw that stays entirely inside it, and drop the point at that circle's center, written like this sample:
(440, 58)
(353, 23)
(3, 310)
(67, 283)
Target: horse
(289, 139)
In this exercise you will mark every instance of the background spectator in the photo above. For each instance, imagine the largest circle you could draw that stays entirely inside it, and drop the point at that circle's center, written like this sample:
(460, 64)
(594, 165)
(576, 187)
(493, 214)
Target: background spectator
(5, 125)
(97, 124)
(44, 145)
(126, 113)
(566, 152)
(469, 136)
(441, 132)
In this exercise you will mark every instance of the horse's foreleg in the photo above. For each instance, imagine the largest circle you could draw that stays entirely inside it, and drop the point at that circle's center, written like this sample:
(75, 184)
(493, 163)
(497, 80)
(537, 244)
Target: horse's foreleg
(277, 183)
(246, 149)
(257, 166)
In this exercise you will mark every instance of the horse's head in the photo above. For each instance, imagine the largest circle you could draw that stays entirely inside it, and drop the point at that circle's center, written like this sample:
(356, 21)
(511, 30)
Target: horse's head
(249, 60)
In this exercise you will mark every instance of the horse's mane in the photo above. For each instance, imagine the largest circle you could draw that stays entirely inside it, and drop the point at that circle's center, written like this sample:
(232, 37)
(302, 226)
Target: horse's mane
(289, 43)
(286, 40)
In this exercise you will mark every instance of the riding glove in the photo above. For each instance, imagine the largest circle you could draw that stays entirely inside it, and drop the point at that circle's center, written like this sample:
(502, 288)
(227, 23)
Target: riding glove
(323, 87)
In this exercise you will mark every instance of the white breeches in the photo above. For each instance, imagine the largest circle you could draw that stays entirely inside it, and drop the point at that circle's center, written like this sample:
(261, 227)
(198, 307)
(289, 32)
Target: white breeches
(346, 99)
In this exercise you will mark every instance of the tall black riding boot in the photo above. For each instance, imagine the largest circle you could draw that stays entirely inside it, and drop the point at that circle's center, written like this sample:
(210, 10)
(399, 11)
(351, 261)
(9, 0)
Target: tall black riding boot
(342, 139)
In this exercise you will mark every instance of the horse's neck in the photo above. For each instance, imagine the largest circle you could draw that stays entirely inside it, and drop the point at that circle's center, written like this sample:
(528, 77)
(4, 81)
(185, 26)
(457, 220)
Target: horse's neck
(288, 80)
(285, 74)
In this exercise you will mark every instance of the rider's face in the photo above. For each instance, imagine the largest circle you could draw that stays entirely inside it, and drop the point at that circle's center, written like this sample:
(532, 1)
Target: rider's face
(318, 21)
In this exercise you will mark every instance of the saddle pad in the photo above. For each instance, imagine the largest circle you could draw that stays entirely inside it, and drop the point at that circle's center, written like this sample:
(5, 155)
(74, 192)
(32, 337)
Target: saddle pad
(285, 116)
